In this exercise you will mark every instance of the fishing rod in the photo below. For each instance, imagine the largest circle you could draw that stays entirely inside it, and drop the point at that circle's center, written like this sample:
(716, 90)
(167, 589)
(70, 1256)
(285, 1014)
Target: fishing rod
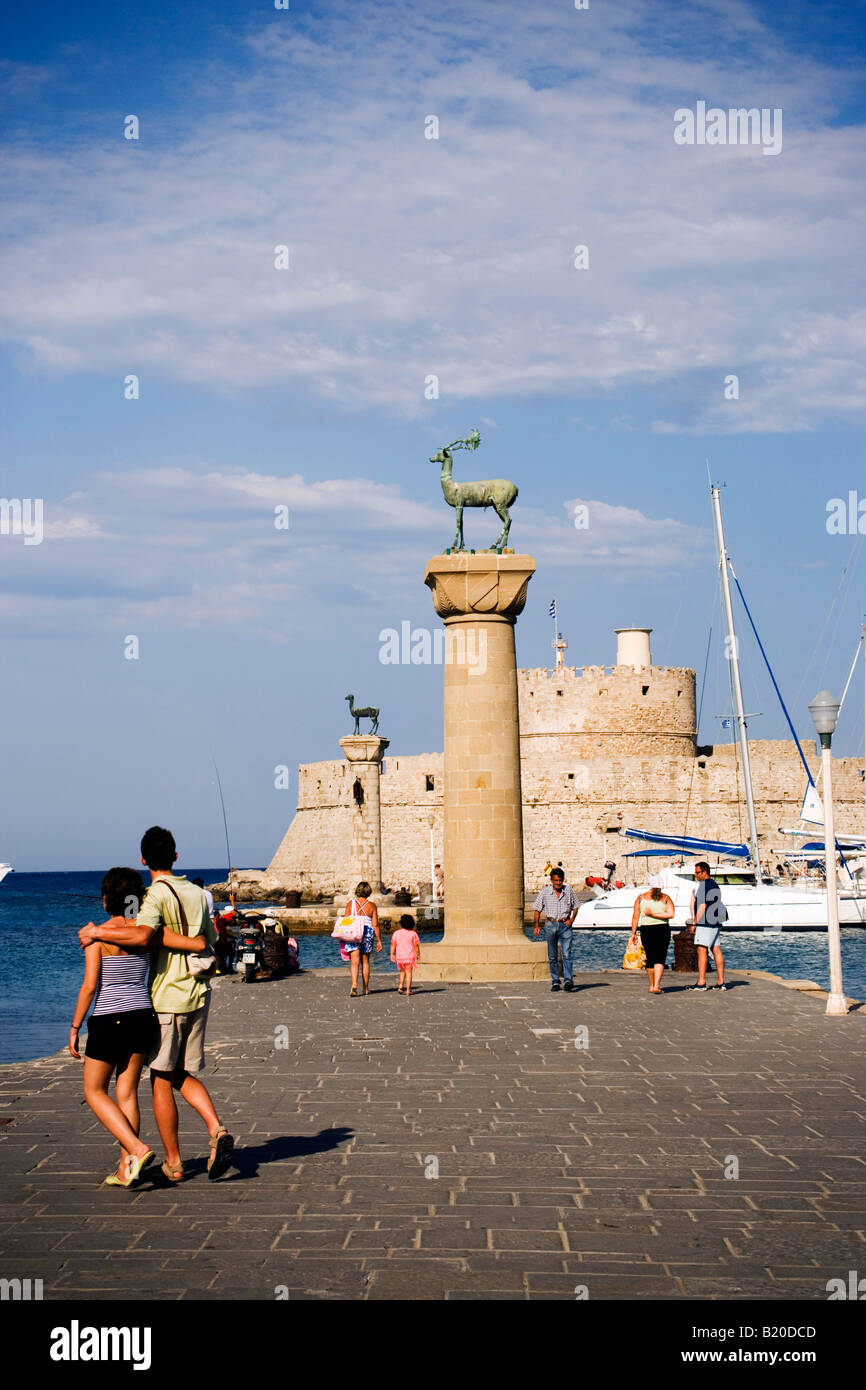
(225, 819)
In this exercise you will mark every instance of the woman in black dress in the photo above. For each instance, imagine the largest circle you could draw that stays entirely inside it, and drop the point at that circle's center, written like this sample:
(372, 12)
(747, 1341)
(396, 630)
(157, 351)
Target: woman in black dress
(652, 917)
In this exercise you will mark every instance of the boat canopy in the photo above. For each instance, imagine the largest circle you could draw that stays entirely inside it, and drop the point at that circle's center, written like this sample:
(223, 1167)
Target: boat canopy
(648, 854)
(690, 845)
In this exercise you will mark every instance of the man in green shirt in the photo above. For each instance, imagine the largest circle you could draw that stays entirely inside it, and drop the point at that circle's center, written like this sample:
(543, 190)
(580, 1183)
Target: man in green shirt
(180, 999)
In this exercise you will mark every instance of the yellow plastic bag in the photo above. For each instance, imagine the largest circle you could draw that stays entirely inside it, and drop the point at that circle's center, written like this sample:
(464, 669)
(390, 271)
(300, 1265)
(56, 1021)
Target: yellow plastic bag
(635, 956)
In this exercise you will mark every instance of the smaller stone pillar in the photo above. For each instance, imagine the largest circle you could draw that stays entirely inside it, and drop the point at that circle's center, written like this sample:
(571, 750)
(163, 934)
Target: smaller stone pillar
(364, 754)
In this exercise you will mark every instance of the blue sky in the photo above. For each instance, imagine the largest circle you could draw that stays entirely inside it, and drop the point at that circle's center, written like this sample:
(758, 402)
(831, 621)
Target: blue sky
(305, 387)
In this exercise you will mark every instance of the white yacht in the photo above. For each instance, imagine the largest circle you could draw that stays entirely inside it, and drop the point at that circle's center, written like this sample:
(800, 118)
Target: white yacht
(751, 906)
(4, 870)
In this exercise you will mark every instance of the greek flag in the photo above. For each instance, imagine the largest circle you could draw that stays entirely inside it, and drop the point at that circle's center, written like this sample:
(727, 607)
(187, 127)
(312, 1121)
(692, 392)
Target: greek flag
(727, 723)
(552, 609)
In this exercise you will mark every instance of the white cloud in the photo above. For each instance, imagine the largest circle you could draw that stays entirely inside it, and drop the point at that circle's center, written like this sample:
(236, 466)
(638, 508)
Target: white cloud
(413, 256)
(197, 549)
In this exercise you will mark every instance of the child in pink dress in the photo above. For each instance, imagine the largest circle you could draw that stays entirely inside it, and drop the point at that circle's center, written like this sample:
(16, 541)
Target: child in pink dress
(406, 951)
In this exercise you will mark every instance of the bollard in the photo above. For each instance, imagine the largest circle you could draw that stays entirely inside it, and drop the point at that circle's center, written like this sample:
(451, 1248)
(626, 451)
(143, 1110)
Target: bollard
(685, 952)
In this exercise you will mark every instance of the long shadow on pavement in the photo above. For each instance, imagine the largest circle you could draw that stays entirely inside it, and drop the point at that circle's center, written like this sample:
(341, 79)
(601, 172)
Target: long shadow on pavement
(246, 1160)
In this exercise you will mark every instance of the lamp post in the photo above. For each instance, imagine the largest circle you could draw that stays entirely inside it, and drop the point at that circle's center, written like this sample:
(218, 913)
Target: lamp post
(431, 821)
(825, 711)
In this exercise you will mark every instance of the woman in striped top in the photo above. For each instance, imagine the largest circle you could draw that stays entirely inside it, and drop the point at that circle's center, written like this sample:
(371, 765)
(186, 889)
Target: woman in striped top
(121, 1027)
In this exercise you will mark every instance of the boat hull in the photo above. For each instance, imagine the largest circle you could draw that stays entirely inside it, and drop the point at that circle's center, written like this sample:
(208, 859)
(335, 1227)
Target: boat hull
(765, 908)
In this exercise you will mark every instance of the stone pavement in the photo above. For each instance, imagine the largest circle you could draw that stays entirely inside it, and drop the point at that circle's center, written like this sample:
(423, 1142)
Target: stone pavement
(459, 1145)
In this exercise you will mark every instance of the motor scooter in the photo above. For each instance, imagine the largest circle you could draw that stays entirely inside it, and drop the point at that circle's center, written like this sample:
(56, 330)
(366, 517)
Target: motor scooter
(251, 951)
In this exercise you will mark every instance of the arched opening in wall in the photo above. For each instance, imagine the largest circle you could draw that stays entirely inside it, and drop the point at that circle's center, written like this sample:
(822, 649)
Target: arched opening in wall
(428, 783)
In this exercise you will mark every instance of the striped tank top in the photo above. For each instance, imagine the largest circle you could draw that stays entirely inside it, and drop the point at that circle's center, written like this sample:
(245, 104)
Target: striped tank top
(123, 984)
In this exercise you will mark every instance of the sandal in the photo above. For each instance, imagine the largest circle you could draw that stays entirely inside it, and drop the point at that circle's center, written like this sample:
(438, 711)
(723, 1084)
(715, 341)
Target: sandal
(173, 1171)
(114, 1181)
(221, 1147)
(353, 993)
(136, 1167)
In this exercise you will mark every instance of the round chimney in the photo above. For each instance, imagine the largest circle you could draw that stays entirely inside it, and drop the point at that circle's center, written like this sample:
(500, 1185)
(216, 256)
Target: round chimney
(633, 647)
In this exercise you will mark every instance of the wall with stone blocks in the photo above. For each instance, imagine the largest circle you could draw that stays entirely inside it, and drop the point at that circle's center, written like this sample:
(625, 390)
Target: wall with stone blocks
(602, 756)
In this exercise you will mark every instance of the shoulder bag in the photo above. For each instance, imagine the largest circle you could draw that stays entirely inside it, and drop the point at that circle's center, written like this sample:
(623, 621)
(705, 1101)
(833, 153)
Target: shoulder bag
(201, 964)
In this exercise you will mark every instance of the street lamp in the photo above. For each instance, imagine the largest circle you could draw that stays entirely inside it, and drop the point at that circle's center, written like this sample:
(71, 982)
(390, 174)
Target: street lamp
(431, 821)
(825, 711)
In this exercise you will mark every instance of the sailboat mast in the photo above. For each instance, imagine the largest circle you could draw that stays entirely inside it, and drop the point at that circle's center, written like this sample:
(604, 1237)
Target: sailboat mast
(734, 657)
(863, 639)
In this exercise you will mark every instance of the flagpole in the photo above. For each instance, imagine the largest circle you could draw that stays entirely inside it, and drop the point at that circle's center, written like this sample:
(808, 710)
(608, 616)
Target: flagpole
(555, 632)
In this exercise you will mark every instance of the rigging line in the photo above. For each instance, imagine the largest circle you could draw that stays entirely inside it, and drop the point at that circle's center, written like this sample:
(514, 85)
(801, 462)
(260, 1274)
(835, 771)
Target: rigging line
(841, 611)
(818, 643)
(773, 678)
(739, 765)
(851, 672)
(225, 820)
(704, 682)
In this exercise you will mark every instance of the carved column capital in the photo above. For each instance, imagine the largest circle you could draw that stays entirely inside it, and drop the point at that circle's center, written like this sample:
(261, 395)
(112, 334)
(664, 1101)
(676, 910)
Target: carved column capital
(484, 585)
(364, 748)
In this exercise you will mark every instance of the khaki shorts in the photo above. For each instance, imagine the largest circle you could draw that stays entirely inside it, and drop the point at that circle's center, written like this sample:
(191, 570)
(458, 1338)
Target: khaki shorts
(181, 1042)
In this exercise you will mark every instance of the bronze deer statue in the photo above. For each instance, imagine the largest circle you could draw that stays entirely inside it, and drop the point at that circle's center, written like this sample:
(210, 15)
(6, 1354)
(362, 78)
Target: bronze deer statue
(497, 493)
(370, 712)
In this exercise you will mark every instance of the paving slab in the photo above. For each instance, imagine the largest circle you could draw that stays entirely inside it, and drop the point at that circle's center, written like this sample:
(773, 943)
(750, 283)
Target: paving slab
(458, 1145)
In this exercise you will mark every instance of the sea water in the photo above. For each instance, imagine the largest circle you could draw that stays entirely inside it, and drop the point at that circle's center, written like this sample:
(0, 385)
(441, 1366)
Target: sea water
(42, 964)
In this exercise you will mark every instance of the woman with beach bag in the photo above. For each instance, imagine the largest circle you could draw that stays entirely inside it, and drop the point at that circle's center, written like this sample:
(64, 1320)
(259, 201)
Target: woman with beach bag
(356, 931)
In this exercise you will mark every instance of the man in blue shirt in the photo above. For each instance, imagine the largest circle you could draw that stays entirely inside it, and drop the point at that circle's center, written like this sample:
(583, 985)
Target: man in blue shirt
(709, 914)
(559, 905)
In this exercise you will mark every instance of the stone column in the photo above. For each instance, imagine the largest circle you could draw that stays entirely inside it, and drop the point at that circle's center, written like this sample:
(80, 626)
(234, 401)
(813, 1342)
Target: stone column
(479, 598)
(364, 754)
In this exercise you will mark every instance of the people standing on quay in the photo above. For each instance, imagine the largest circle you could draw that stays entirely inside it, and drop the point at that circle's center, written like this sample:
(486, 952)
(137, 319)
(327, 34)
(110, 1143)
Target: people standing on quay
(709, 915)
(558, 903)
(359, 952)
(405, 952)
(121, 1028)
(178, 909)
(438, 882)
(652, 917)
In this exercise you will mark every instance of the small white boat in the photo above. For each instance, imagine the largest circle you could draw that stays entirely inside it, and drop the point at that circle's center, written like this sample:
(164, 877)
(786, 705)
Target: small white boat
(4, 870)
(751, 906)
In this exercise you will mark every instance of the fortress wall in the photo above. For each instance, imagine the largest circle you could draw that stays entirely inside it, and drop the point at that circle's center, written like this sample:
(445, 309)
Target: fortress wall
(317, 843)
(406, 804)
(599, 757)
(611, 701)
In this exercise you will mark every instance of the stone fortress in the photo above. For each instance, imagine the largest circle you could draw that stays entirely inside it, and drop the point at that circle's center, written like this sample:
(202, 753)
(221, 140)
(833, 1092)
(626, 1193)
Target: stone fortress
(602, 748)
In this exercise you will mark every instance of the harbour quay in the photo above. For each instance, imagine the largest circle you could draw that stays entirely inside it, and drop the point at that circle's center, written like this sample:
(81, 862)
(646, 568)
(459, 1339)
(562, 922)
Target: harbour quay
(480, 1141)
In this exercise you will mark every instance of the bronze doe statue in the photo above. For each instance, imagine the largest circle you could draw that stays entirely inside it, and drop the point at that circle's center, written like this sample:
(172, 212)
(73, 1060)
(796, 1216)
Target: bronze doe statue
(358, 714)
(497, 493)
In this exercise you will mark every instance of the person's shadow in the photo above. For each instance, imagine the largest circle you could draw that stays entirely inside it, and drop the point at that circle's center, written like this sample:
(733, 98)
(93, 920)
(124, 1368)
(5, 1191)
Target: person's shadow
(246, 1160)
